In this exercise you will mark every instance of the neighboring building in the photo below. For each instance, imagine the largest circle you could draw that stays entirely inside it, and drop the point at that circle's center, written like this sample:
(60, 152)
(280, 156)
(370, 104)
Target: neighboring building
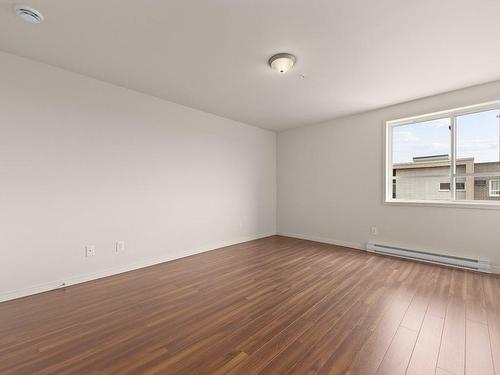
(427, 178)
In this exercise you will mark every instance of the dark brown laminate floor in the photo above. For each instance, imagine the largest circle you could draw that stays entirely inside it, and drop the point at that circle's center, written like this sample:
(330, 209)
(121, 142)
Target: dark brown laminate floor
(272, 306)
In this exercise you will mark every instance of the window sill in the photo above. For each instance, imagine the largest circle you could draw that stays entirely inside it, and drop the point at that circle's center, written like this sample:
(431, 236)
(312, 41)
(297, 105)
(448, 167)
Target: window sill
(457, 204)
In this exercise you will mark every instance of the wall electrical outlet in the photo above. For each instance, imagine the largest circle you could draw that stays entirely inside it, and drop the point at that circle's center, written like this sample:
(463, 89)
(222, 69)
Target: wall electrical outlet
(89, 250)
(120, 246)
(374, 231)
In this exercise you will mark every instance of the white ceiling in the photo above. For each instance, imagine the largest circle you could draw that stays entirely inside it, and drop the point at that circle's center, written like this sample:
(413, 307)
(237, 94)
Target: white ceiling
(212, 55)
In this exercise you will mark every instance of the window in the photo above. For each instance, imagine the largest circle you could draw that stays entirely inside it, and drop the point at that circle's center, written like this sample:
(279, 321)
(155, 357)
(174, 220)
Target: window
(445, 186)
(446, 157)
(494, 188)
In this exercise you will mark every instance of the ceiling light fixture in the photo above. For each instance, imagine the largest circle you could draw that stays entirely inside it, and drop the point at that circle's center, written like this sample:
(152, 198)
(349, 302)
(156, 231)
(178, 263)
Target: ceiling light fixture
(282, 62)
(28, 14)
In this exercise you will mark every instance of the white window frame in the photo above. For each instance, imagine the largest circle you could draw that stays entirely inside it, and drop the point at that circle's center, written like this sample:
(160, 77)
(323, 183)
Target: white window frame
(452, 202)
(493, 192)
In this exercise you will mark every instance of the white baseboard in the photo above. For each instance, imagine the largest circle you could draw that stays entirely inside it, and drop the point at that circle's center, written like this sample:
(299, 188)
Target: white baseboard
(360, 246)
(62, 283)
(329, 241)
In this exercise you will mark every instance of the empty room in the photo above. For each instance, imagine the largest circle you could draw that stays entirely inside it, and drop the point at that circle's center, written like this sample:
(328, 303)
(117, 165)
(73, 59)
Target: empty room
(250, 187)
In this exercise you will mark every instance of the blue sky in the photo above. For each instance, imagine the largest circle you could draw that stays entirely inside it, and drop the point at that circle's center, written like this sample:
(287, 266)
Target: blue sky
(477, 136)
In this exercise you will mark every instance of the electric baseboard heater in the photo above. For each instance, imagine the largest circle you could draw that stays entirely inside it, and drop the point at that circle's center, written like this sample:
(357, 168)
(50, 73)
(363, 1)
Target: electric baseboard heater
(448, 260)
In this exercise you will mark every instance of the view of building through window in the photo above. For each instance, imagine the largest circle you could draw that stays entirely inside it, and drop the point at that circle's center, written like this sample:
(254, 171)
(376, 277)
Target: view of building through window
(422, 158)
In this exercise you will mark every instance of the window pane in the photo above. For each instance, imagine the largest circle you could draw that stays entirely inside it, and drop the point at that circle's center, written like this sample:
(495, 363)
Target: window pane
(421, 160)
(445, 186)
(478, 151)
(478, 142)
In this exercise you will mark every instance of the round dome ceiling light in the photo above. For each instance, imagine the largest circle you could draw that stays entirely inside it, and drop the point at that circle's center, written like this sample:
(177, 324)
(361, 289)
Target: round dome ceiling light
(28, 14)
(282, 62)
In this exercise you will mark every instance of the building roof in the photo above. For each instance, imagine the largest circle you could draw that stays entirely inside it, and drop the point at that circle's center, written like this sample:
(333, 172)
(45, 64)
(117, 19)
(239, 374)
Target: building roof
(431, 162)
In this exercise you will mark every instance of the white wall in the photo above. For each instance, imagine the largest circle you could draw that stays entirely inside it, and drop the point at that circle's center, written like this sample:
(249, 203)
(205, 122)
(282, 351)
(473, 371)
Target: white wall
(84, 162)
(330, 183)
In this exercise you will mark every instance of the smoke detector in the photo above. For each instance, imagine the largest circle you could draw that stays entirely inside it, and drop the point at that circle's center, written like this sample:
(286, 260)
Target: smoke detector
(28, 14)
(282, 62)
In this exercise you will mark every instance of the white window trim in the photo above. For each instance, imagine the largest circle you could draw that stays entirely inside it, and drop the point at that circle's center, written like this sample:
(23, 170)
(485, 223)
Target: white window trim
(493, 192)
(452, 202)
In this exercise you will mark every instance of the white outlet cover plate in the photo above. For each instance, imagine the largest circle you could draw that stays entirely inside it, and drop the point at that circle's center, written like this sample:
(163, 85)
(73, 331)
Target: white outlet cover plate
(90, 250)
(120, 246)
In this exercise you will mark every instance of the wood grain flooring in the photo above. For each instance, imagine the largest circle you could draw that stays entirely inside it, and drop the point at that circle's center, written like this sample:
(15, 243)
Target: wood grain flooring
(272, 306)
